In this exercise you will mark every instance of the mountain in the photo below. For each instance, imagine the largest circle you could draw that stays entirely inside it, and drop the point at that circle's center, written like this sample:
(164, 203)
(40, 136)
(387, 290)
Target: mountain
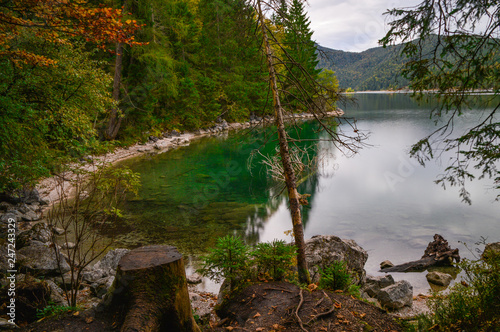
(374, 69)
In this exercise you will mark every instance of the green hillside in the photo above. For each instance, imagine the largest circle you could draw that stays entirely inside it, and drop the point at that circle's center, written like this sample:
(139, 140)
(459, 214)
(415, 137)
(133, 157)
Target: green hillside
(374, 69)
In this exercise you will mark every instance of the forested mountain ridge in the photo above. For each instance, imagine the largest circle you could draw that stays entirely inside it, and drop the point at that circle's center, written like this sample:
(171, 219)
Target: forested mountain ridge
(374, 69)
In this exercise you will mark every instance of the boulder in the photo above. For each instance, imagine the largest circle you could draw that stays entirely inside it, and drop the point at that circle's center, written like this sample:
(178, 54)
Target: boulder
(58, 231)
(323, 250)
(56, 292)
(439, 278)
(105, 267)
(30, 216)
(491, 249)
(31, 196)
(39, 232)
(41, 259)
(101, 286)
(373, 285)
(386, 264)
(194, 278)
(68, 245)
(12, 214)
(396, 296)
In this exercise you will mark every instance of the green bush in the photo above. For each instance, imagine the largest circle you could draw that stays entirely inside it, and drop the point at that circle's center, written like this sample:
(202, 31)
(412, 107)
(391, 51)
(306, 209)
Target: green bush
(275, 259)
(228, 260)
(231, 260)
(335, 276)
(53, 310)
(474, 304)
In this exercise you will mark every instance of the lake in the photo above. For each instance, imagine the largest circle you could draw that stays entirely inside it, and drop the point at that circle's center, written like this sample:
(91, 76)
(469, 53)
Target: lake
(385, 201)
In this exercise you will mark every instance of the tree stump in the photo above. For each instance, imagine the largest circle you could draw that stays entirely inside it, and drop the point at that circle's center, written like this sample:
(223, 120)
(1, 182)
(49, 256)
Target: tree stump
(151, 288)
(437, 253)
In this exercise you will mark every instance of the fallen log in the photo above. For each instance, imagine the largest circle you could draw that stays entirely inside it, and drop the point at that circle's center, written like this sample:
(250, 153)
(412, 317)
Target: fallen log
(151, 289)
(437, 253)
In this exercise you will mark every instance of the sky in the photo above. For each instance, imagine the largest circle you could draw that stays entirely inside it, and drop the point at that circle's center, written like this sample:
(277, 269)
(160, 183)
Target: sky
(354, 25)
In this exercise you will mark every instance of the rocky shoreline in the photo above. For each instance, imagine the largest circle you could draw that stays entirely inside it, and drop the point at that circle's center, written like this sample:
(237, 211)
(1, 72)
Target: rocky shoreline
(38, 268)
(47, 188)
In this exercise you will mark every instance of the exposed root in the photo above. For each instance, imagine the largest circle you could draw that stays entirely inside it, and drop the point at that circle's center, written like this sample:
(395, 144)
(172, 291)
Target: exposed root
(297, 312)
(323, 313)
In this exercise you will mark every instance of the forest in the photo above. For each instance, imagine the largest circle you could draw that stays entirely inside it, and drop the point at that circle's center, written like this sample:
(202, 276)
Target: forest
(80, 78)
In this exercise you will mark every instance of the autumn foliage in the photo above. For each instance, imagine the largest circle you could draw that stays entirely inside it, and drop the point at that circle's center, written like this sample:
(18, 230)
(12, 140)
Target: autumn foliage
(57, 21)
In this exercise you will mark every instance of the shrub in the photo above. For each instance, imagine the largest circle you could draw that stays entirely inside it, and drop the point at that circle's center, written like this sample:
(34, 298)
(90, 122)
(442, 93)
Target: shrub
(53, 310)
(474, 304)
(229, 259)
(275, 259)
(335, 276)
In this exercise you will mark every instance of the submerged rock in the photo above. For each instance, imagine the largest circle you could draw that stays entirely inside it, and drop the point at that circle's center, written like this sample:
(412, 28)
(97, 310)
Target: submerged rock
(386, 264)
(439, 278)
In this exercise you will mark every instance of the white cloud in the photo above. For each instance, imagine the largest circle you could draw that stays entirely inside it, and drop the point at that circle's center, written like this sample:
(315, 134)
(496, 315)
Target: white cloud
(351, 25)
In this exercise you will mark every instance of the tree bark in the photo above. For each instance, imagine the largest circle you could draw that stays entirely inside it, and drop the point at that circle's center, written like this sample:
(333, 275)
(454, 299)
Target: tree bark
(293, 195)
(115, 120)
(151, 288)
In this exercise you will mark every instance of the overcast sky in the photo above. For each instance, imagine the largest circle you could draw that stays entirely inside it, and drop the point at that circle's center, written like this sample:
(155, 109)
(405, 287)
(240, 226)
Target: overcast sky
(354, 25)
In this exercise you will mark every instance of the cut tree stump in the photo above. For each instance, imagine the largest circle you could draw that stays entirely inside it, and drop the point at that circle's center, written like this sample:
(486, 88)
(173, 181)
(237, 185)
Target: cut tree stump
(151, 290)
(438, 253)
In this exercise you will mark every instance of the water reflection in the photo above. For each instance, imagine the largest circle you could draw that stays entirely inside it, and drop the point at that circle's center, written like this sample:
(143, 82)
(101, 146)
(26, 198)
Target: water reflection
(383, 200)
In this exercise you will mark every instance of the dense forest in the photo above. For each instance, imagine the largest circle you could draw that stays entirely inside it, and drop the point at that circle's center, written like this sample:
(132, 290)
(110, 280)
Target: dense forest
(374, 69)
(80, 78)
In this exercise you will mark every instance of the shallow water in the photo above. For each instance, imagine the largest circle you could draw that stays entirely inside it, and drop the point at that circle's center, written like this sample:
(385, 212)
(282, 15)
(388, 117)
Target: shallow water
(381, 198)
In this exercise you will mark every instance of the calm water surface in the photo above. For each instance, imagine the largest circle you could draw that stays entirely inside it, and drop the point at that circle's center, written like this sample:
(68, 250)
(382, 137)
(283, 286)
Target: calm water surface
(381, 198)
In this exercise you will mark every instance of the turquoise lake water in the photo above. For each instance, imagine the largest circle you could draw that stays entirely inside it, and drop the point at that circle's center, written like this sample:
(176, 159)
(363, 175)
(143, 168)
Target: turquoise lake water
(385, 201)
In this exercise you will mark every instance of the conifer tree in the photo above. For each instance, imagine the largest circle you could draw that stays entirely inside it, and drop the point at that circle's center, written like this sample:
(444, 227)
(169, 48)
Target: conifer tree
(302, 49)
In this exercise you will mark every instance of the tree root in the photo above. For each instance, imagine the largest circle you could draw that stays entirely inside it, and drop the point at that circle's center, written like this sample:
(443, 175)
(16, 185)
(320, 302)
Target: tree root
(278, 289)
(323, 313)
(297, 312)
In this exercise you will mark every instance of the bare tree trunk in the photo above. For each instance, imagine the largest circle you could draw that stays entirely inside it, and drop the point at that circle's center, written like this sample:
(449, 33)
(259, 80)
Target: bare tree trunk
(115, 120)
(293, 195)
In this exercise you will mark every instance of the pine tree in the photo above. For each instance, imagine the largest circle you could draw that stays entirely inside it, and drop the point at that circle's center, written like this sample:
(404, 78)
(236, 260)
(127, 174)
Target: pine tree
(301, 54)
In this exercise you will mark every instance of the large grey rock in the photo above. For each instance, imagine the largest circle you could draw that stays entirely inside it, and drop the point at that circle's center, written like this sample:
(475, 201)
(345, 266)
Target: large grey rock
(56, 292)
(10, 215)
(105, 267)
(439, 278)
(39, 232)
(396, 296)
(194, 278)
(31, 196)
(373, 285)
(323, 250)
(30, 216)
(101, 286)
(42, 259)
(491, 249)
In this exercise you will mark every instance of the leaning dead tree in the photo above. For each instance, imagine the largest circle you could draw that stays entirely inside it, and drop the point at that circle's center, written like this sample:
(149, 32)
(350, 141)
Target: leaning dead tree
(315, 106)
(438, 253)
